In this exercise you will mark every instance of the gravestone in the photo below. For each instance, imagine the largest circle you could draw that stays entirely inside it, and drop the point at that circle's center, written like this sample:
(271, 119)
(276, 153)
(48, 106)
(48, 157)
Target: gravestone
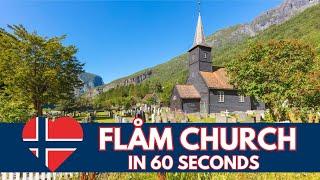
(153, 117)
(171, 118)
(184, 119)
(258, 118)
(158, 119)
(221, 118)
(164, 117)
(242, 116)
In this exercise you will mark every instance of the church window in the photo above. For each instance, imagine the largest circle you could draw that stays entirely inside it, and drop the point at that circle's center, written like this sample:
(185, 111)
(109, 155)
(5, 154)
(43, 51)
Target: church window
(241, 98)
(205, 55)
(221, 96)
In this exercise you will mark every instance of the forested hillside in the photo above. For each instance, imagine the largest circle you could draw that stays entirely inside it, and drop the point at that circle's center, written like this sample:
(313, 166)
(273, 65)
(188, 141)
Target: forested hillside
(224, 40)
(304, 26)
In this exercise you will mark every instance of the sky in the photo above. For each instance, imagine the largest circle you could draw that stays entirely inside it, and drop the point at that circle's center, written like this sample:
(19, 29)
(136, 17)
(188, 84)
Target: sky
(118, 38)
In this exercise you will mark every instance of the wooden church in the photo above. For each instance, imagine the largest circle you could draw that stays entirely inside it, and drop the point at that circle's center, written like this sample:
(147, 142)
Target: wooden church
(207, 89)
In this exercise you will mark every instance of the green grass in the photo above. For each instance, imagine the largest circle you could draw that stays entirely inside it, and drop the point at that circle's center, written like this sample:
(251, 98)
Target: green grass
(215, 176)
(104, 120)
(100, 118)
(196, 119)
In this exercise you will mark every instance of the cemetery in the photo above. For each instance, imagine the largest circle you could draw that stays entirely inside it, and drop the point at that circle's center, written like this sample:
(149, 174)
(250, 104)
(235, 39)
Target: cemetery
(157, 114)
(165, 115)
(218, 80)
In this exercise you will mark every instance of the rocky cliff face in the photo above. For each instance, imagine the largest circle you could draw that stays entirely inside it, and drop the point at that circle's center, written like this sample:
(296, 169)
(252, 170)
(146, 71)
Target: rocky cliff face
(279, 15)
(275, 16)
(90, 81)
(133, 79)
(222, 39)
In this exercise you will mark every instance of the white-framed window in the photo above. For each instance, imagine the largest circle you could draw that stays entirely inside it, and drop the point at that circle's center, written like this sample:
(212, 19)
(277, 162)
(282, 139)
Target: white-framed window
(205, 55)
(241, 98)
(220, 96)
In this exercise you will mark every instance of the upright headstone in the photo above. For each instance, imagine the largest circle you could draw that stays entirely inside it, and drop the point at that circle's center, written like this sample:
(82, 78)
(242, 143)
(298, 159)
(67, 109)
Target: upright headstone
(153, 117)
(158, 119)
(242, 116)
(171, 118)
(220, 118)
(258, 118)
(164, 117)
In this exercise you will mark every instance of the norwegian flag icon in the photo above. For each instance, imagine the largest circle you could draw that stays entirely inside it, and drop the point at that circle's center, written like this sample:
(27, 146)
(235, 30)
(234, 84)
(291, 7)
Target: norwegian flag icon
(52, 142)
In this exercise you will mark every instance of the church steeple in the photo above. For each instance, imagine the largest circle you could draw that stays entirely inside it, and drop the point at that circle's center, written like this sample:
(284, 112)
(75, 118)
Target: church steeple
(199, 38)
(200, 52)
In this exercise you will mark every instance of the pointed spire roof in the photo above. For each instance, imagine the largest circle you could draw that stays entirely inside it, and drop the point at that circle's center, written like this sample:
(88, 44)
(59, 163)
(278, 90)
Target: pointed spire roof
(199, 37)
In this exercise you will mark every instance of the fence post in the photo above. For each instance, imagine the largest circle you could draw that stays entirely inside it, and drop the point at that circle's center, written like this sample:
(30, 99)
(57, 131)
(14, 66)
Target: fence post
(17, 174)
(49, 176)
(36, 177)
(24, 176)
(11, 176)
(30, 176)
(4, 176)
(43, 176)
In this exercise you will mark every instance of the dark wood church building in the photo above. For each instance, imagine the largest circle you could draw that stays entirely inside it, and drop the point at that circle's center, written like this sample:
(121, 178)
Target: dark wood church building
(207, 89)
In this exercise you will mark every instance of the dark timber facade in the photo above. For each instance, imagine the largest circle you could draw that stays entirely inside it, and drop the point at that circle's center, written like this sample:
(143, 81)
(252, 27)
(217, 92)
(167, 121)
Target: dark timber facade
(207, 89)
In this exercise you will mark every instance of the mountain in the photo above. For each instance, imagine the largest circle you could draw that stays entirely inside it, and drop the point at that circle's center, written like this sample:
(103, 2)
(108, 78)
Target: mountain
(90, 81)
(289, 20)
(224, 41)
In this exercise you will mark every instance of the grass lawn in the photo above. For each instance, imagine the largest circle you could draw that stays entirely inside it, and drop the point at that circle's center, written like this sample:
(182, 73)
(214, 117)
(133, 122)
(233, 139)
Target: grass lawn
(195, 119)
(209, 176)
(101, 117)
(104, 120)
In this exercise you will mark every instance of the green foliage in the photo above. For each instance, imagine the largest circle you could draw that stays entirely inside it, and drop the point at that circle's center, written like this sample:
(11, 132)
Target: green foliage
(217, 176)
(14, 110)
(279, 74)
(160, 84)
(304, 26)
(36, 70)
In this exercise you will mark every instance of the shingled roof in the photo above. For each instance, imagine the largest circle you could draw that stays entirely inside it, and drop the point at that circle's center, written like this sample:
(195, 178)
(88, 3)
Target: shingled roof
(187, 92)
(217, 79)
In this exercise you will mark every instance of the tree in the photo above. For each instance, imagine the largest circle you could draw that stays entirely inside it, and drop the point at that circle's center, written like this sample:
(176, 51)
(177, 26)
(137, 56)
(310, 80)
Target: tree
(41, 69)
(280, 73)
(66, 105)
(14, 109)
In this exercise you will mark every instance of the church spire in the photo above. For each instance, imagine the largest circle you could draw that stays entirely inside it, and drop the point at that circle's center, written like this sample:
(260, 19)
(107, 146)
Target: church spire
(199, 38)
